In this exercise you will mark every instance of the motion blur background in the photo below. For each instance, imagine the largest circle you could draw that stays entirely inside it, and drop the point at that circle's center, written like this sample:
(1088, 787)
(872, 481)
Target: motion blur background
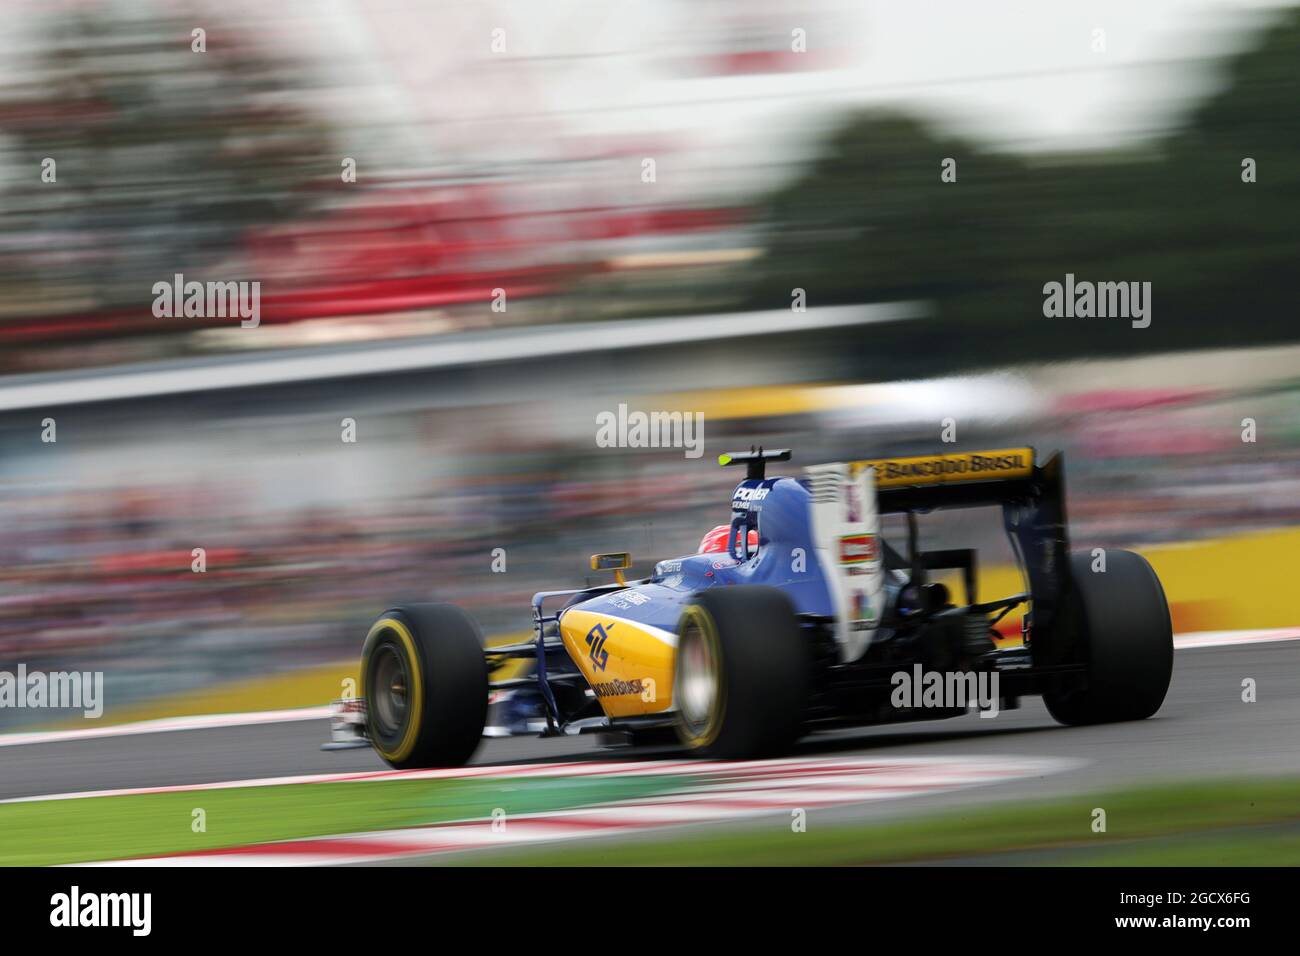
(504, 146)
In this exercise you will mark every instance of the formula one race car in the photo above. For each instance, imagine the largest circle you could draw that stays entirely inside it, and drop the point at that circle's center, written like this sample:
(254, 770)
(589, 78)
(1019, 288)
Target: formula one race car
(800, 616)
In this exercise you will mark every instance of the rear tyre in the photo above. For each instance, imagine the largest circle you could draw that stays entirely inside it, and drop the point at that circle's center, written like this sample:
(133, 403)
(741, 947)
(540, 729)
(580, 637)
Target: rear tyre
(741, 673)
(1125, 641)
(425, 682)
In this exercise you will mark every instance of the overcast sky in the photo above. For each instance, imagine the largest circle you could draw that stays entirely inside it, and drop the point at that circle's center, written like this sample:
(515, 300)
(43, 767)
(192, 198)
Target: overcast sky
(1022, 75)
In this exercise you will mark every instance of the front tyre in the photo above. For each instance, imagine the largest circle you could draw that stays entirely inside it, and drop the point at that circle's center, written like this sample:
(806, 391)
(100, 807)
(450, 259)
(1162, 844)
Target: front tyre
(1126, 644)
(741, 673)
(425, 682)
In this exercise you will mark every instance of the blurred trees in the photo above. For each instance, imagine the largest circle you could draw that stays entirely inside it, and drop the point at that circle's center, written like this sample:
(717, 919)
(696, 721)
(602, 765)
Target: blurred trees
(872, 221)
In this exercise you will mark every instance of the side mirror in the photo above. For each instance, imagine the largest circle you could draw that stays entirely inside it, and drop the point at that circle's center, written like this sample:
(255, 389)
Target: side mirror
(617, 561)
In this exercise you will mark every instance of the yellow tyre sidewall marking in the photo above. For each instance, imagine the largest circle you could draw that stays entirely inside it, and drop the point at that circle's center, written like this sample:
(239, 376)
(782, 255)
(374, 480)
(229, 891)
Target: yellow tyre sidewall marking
(708, 631)
(417, 685)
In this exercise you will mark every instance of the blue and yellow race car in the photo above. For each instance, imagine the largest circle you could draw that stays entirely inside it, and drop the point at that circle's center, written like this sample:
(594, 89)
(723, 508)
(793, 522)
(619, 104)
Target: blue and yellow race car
(803, 616)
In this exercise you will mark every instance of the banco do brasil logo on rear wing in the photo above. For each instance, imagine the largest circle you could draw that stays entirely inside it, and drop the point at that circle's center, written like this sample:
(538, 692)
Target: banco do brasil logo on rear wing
(997, 465)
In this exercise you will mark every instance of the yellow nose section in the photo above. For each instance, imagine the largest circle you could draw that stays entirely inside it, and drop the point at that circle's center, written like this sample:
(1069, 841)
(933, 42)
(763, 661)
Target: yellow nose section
(628, 664)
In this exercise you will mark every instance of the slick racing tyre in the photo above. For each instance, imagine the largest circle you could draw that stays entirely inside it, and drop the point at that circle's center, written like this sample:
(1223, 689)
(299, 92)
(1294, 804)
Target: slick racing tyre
(741, 673)
(1127, 643)
(425, 682)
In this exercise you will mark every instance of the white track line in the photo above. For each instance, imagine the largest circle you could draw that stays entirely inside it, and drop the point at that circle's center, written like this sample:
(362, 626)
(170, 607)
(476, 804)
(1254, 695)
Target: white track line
(165, 725)
(722, 770)
(1233, 638)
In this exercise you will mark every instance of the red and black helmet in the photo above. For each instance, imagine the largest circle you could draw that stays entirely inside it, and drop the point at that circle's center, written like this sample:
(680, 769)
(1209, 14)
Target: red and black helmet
(716, 540)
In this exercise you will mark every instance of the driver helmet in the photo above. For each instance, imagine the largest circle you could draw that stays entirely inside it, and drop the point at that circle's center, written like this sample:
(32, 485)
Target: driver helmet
(716, 540)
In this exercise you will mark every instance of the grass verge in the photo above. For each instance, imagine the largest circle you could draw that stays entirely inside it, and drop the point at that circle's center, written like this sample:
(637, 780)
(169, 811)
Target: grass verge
(46, 832)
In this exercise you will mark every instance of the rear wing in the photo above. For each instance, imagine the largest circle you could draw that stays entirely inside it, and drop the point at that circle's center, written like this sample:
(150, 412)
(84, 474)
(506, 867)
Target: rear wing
(1032, 498)
(968, 479)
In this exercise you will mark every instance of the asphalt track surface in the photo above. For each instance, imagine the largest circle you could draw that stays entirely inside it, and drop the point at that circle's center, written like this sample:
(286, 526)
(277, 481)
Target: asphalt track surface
(1204, 730)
